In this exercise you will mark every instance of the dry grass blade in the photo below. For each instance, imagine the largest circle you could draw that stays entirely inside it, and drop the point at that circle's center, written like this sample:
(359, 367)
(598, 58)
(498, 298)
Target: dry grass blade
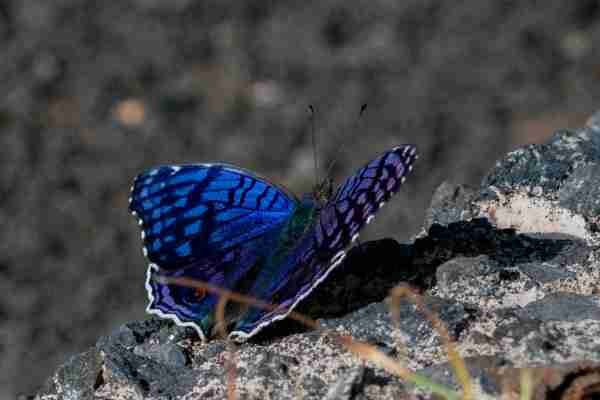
(221, 326)
(363, 350)
(455, 359)
(526, 384)
(370, 353)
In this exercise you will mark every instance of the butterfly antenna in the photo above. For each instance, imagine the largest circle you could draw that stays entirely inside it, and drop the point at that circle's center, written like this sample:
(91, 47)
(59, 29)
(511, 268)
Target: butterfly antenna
(313, 135)
(339, 150)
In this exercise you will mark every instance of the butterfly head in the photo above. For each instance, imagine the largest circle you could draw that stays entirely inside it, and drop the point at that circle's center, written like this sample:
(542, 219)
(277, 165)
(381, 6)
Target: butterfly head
(323, 191)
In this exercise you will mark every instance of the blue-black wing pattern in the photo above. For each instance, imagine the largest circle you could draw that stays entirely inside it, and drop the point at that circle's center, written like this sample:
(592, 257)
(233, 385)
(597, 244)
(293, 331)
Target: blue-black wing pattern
(193, 211)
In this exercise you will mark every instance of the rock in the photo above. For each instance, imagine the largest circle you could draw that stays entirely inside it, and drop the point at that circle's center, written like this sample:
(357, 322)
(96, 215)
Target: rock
(463, 268)
(544, 272)
(80, 375)
(558, 341)
(581, 191)
(569, 307)
(542, 169)
(547, 188)
(509, 270)
(346, 386)
(482, 370)
(450, 203)
(374, 324)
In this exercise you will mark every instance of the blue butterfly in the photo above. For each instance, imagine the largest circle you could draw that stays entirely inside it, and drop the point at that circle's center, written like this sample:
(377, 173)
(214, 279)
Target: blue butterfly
(231, 228)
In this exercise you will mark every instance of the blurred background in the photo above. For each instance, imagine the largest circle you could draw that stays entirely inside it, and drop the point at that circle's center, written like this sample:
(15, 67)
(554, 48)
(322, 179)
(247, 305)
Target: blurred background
(92, 93)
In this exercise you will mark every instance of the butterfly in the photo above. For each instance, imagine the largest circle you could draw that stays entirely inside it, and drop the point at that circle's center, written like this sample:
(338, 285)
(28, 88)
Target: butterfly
(231, 228)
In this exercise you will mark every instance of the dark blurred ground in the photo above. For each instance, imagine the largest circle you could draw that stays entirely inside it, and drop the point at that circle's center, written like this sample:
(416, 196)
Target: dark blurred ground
(92, 93)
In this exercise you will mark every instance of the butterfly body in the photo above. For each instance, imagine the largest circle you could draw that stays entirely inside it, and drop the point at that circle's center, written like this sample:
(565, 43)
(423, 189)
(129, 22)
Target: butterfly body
(231, 228)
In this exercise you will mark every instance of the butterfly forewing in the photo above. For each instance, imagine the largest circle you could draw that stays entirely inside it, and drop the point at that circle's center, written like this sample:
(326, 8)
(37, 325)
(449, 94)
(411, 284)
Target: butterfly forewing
(187, 212)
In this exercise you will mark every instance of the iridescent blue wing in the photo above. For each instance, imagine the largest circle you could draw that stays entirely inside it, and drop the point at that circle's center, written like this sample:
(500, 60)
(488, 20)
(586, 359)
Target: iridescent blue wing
(324, 245)
(210, 222)
(189, 212)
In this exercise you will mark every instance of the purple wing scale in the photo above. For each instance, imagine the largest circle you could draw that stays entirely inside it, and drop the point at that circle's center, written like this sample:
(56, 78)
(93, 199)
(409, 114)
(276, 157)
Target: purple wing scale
(338, 225)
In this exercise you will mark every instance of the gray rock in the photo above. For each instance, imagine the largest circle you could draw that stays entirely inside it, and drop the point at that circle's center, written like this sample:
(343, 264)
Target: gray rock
(570, 307)
(450, 203)
(546, 166)
(345, 388)
(460, 268)
(580, 192)
(519, 326)
(168, 354)
(544, 272)
(482, 370)
(374, 324)
(78, 377)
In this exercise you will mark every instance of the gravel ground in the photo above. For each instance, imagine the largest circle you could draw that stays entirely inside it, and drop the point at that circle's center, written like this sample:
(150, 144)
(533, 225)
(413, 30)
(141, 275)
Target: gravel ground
(92, 93)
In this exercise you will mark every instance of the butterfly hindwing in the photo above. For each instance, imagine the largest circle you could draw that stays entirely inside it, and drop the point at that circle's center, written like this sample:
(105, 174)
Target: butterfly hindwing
(192, 307)
(208, 222)
(337, 226)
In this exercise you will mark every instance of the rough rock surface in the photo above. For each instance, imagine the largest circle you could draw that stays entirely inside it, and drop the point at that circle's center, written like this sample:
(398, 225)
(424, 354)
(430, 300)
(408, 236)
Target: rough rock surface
(511, 269)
